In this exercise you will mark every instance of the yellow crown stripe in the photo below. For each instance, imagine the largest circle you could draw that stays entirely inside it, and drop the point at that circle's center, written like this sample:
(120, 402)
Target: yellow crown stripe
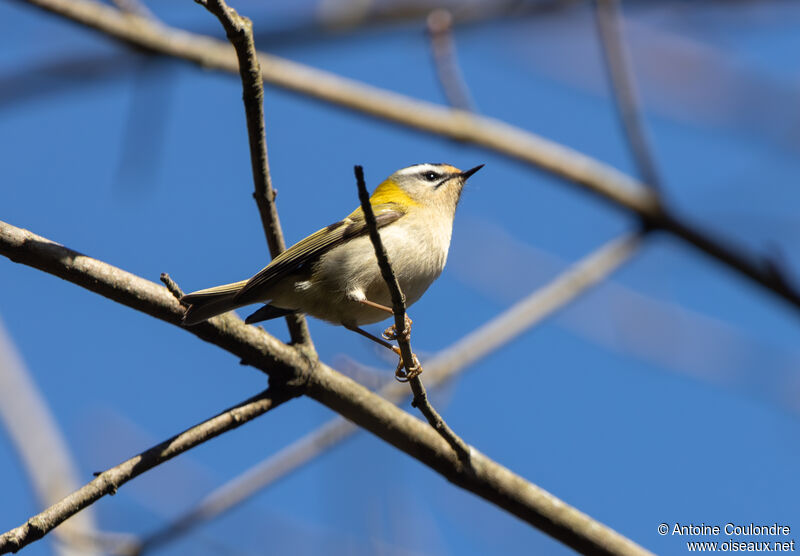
(390, 192)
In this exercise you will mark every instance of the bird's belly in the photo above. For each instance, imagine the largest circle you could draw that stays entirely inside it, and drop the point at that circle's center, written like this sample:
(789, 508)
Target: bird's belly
(350, 272)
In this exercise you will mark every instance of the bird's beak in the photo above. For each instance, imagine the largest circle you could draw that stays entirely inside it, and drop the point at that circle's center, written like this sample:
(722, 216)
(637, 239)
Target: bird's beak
(468, 173)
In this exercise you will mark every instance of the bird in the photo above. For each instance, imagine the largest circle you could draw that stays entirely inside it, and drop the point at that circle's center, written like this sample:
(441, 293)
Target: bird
(333, 274)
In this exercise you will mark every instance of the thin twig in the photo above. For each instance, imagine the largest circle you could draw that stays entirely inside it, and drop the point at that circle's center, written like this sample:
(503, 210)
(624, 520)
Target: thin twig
(445, 366)
(489, 133)
(398, 298)
(533, 309)
(608, 16)
(422, 403)
(488, 479)
(239, 30)
(439, 24)
(172, 286)
(110, 480)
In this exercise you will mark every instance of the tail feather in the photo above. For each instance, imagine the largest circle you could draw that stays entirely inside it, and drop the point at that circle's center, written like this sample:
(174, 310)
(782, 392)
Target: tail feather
(268, 312)
(204, 304)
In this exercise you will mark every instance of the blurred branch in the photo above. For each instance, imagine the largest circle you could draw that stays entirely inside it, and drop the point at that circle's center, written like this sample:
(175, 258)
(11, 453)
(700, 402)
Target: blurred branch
(135, 7)
(98, 542)
(246, 485)
(446, 365)
(403, 329)
(240, 33)
(636, 325)
(284, 363)
(370, 376)
(152, 90)
(531, 310)
(440, 30)
(608, 17)
(486, 132)
(110, 480)
(689, 76)
(334, 14)
(81, 69)
(42, 448)
(144, 128)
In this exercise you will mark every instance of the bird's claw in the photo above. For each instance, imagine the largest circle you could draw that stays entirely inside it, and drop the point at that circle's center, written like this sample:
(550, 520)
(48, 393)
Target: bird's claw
(391, 332)
(403, 375)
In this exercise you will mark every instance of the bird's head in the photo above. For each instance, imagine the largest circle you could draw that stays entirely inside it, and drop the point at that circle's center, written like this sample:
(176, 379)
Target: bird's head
(424, 185)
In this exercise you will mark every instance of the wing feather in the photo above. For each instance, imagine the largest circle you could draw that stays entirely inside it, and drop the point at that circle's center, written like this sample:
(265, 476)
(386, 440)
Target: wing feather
(315, 245)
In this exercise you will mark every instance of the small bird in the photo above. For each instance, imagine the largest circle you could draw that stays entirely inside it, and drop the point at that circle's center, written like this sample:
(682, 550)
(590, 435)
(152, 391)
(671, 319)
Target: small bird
(333, 274)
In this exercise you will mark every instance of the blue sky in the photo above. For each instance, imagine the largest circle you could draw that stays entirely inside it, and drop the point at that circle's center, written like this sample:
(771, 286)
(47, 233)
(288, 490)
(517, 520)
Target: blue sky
(668, 394)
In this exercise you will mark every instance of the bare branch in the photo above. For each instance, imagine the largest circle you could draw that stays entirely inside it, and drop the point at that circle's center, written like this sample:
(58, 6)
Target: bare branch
(539, 305)
(240, 33)
(110, 480)
(488, 479)
(608, 17)
(409, 360)
(446, 365)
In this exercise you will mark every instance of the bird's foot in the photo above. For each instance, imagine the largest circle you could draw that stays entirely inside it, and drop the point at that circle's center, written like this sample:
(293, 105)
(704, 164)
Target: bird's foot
(404, 375)
(391, 332)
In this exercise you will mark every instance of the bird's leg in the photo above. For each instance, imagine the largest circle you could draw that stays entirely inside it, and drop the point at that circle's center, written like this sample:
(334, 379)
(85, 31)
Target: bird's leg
(375, 339)
(391, 332)
(369, 303)
(399, 374)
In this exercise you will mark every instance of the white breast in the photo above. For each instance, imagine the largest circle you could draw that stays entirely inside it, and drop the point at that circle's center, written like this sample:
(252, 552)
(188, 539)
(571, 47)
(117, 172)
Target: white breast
(417, 250)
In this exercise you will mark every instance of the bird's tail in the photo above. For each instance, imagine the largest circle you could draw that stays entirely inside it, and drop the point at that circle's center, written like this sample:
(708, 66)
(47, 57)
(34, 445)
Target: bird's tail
(204, 304)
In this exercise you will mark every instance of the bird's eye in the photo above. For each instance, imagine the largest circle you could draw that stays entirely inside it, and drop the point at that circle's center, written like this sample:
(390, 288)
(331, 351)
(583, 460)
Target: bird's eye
(431, 176)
